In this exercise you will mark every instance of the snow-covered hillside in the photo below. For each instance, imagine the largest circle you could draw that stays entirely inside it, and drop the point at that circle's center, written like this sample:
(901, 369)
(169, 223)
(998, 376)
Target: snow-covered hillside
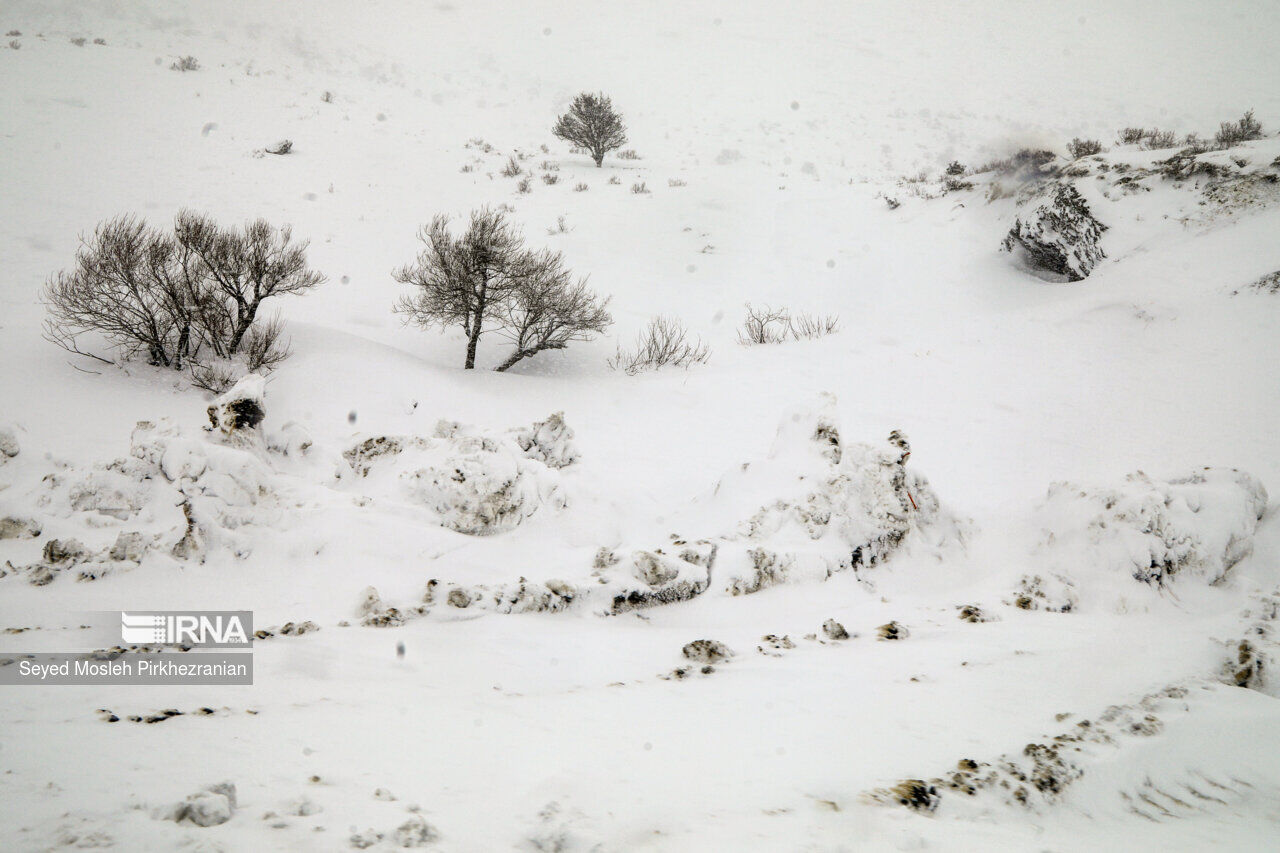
(992, 566)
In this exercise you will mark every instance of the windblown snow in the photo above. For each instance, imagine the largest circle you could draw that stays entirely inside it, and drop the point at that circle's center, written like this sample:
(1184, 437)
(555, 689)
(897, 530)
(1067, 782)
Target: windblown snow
(977, 554)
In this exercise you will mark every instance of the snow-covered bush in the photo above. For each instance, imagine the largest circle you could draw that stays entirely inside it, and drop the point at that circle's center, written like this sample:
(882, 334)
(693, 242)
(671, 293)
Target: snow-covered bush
(474, 482)
(485, 280)
(185, 63)
(1153, 531)
(1057, 231)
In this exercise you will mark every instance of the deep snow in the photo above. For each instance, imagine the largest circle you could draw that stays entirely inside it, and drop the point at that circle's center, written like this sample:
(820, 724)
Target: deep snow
(569, 729)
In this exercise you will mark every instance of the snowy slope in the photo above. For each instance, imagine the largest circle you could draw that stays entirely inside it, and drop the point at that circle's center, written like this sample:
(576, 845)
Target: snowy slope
(569, 730)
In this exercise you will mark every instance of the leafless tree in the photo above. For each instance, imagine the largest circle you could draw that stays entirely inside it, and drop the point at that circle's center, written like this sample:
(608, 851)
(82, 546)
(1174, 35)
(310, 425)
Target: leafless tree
(178, 297)
(245, 266)
(485, 280)
(592, 124)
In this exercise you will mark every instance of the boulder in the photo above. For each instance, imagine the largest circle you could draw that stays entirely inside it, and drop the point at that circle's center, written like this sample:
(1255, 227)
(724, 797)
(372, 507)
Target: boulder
(1057, 231)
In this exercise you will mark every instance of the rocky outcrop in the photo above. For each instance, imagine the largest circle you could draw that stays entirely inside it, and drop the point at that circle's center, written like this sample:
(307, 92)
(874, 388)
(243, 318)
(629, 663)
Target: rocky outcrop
(1057, 231)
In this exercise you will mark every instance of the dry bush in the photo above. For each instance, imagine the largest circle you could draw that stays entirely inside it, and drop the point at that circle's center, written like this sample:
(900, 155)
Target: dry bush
(1078, 148)
(665, 341)
(1234, 132)
(79, 41)
(327, 97)
(639, 188)
(629, 154)
(512, 169)
(525, 186)
(1131, 135)
(185, 63)
(548, 166)
(955, 167)
(774, 326)
(613, 179)
(550, 178)
(580, 187)
(178, 298)
(675, 182)
(100, 41)
(1156, 140)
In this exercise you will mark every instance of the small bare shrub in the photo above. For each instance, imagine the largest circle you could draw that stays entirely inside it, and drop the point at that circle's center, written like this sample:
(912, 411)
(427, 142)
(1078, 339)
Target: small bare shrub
(15, 45)
(613, 179)
(675, 182)
(639, 189)
(327, 97)
(550, 178)
(525, 186)
(665, 341)
(549, 166)
(467, 167)
(953, 184)
(955, 167)
(215, 378)
(512, 169)
(265, 346)
(80, 41)
(1078, 148)
(1156, 140)
(1131, 135)
(12, 33)
(774, 326)
(580, 187)
(561, 227)
(1235, 132)
(100, 41)
(629, 154)
(185, 63)
(284, 146)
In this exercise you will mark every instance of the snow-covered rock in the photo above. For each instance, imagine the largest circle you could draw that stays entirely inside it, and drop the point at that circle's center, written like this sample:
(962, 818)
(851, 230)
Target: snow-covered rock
(8, 444)
(239, 411)
(1154, 531)
(1057, 231)
(549, 441)
(474, 482)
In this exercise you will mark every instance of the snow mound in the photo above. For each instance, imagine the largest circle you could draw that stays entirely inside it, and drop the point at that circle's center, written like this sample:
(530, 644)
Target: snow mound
(835, 505)
(829, 506)
(474, 482)
(1200, 524)
(1057, 231)
(8, 444)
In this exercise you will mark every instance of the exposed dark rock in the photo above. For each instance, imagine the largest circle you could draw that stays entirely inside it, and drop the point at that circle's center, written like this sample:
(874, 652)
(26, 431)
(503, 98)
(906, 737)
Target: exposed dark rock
(1058, 232)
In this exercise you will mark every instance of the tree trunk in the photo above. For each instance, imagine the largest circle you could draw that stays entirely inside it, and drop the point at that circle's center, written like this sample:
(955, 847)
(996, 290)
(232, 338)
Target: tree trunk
(473, 340)
(599, 158)
(243, 322)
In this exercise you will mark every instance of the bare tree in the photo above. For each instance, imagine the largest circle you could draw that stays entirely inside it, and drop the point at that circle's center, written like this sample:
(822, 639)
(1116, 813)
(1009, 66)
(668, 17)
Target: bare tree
(549, 310)
(485, 280)
(245, 266)
(176, 296)
(592, 124)
(111, 292)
